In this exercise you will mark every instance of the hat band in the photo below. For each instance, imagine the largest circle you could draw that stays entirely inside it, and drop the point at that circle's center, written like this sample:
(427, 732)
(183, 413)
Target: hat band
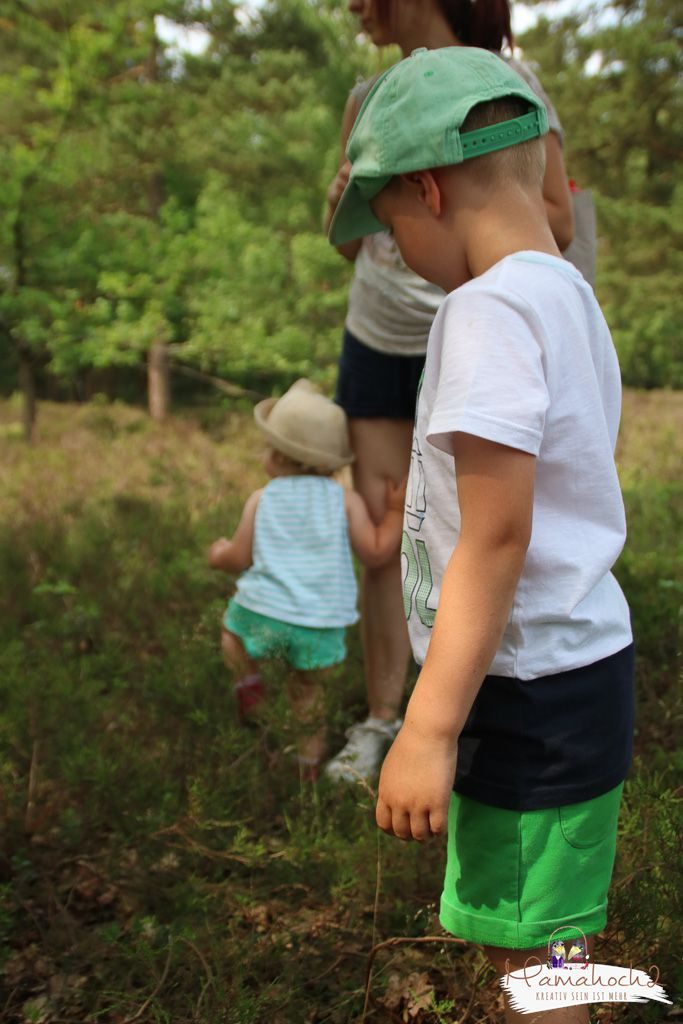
(504, 134)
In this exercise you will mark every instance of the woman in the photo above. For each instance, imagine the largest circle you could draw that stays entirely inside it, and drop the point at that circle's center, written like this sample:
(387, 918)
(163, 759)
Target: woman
(385, 339)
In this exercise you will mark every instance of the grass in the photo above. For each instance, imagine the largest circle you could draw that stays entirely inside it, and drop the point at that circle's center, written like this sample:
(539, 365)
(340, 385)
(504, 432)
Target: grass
(158, 863)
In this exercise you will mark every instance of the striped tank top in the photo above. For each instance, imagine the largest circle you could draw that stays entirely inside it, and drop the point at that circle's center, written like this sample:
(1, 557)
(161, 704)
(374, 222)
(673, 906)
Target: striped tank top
(302, 569)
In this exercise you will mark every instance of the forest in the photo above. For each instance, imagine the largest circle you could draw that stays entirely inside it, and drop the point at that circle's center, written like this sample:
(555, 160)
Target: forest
(162, 267)
(159, 206)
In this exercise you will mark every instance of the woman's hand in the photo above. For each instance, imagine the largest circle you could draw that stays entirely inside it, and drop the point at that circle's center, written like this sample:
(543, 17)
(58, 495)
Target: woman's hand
(338, 184)
(415, 784)
(349, 250)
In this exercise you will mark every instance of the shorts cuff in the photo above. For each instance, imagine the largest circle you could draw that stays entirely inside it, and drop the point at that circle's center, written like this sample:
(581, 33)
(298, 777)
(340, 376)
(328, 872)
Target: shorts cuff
(491, 931)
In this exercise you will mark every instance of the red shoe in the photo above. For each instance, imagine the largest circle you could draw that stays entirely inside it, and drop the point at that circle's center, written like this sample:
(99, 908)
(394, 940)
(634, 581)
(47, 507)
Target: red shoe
(309, 769)
(250, 693)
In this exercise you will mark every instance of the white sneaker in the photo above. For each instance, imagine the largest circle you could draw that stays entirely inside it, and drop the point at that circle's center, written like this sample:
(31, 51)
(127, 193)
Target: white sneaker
(364, 752)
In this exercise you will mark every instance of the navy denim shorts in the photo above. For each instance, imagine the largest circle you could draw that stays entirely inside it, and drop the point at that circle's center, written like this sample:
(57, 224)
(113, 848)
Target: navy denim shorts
(373, 384)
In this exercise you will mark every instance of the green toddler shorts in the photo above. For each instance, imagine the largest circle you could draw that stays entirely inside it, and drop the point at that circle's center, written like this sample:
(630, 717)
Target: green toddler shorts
(513, 877)
(301, 647)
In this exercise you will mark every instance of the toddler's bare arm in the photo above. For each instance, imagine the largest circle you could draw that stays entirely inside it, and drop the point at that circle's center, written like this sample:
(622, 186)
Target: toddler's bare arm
(236, 555)
(495, 493)
(376, 544)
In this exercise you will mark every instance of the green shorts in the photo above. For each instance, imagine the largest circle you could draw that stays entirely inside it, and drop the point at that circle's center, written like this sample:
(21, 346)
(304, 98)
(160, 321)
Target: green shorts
(513, 877)
(300, 646)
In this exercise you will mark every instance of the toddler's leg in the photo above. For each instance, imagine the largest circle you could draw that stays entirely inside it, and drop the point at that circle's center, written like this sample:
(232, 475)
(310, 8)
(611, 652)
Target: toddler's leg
(248, 684)
(517, 957)
(306, 695)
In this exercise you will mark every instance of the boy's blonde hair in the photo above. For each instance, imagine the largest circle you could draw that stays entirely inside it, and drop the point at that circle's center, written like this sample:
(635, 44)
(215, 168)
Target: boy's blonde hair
(523, 163)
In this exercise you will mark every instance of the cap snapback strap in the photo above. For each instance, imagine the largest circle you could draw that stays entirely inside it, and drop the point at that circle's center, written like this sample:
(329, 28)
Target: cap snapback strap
(504, 134)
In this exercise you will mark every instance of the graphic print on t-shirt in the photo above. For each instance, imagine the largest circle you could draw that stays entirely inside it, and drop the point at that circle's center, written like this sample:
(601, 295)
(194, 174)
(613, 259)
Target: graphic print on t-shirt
(416, 570)
(416, 498)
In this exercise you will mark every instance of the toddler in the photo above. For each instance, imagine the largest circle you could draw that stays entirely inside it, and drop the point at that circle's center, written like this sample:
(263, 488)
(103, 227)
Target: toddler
(297, 592)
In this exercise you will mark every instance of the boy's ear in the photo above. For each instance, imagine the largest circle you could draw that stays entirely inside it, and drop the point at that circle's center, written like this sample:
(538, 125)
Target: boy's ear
(426, 187)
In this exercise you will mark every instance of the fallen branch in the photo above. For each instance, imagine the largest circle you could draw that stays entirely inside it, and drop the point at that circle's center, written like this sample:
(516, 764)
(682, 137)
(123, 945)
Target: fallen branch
(234, 390)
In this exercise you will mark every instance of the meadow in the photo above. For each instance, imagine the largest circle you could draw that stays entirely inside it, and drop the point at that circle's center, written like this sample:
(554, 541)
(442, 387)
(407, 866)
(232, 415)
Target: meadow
(160, 863)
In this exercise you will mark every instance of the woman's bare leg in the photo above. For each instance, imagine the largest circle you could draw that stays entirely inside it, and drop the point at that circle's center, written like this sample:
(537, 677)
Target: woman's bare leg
(382, 448)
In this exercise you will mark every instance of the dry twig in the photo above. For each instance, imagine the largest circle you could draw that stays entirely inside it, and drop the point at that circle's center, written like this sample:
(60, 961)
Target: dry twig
(152, 996)
(207, 970)
(30, 816)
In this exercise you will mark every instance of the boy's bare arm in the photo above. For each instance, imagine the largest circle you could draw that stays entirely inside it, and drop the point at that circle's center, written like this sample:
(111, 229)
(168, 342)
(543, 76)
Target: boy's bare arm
(236, 555)
(495, 493)
(376, 544)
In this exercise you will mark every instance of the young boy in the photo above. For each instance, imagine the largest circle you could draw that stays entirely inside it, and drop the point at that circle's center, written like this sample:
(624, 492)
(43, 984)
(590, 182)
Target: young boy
(297, 591)
(513, 518)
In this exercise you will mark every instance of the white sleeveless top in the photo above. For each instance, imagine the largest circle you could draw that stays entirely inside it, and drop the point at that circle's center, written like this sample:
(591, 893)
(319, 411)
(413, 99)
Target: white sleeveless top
(390, 308)
(302, 568)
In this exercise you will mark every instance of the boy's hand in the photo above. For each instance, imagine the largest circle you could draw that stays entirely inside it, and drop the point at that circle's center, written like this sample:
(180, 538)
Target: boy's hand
(396, 494)
(415, 784)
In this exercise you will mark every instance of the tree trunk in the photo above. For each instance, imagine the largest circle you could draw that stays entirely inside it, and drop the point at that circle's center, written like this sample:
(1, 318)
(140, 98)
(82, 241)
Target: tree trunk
(158, 382)
(27, 385)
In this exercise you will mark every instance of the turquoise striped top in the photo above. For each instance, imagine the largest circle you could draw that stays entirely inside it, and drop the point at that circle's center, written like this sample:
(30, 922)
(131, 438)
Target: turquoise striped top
(302, 569)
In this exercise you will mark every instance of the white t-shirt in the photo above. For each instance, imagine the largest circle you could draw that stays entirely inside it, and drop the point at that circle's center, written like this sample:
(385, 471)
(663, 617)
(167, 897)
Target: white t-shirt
(522, 356)
(390, 307)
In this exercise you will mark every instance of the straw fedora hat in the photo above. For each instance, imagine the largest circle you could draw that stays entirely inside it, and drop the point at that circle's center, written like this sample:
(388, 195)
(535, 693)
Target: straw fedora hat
(306, 426)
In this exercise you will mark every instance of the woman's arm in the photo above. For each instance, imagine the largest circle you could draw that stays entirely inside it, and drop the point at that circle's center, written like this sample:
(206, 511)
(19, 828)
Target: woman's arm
(236, 555)
(334, 193)
(558, 202)
(556, 194)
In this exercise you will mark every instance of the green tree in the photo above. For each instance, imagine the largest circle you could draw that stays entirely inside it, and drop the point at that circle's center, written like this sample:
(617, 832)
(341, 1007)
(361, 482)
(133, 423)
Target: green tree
(615, 77)
(269, 302)
(89, 107)
(157, 205)
(37, 99)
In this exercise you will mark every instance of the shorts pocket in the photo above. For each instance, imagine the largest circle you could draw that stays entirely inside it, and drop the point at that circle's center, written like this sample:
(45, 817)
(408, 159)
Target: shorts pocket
(592, 821)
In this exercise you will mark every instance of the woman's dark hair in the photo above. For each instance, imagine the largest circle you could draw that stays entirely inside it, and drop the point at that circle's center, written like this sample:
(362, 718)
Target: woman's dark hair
(484, 23)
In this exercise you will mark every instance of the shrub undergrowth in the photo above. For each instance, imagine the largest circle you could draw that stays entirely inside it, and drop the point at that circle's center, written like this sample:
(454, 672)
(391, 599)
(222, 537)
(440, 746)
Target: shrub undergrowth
(159, 862)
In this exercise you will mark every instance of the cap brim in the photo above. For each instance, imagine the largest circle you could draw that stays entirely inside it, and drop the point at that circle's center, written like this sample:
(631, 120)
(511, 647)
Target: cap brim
(353, 217)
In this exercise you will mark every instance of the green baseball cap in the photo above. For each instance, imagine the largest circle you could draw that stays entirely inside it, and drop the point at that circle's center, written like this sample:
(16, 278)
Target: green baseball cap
(410, 121)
